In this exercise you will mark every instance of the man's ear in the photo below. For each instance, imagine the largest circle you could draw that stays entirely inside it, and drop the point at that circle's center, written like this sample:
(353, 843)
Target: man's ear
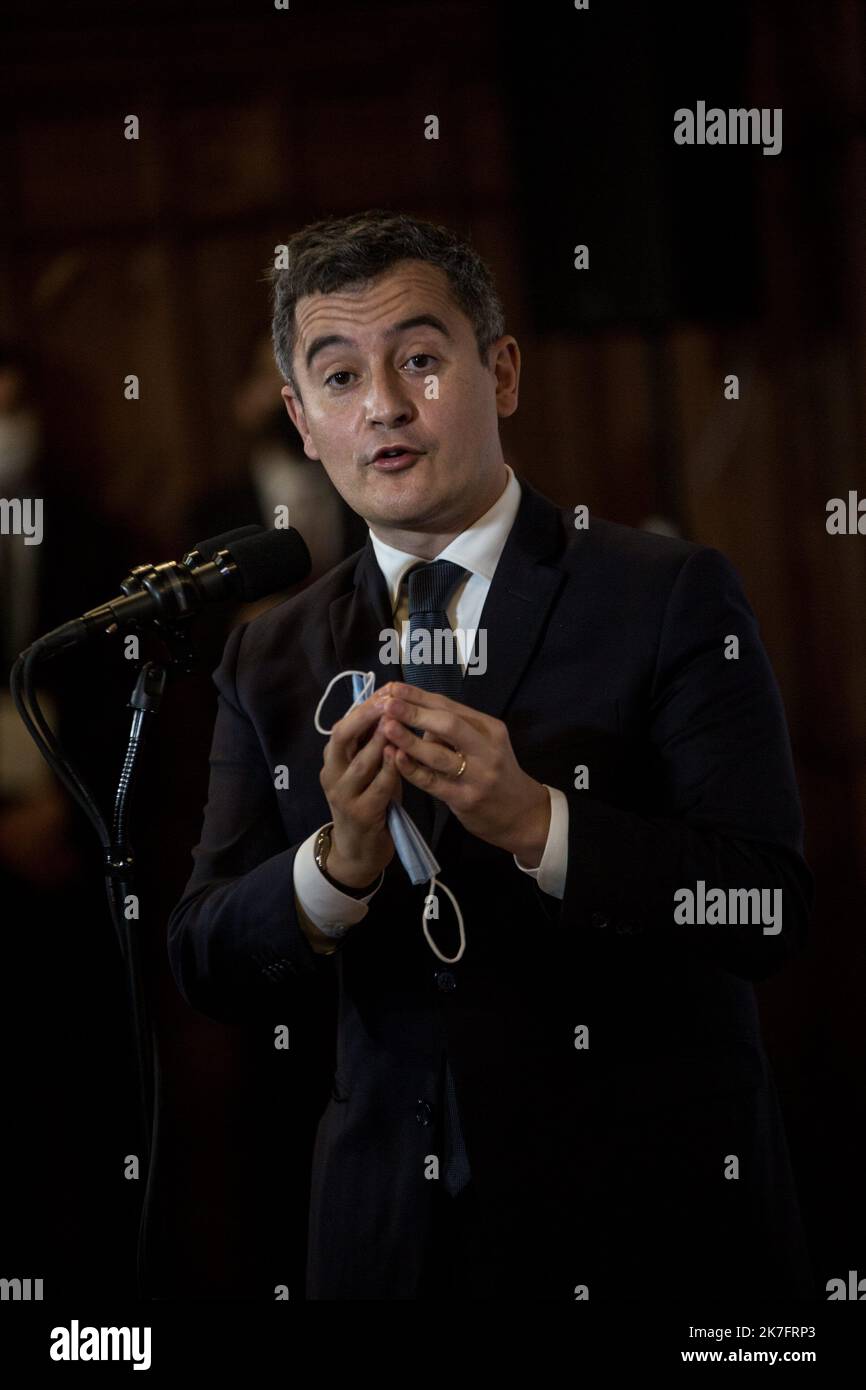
(504, 359)
(299, 420)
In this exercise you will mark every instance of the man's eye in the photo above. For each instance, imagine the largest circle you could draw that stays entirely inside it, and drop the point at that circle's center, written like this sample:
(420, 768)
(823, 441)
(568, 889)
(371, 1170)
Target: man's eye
(417, 357)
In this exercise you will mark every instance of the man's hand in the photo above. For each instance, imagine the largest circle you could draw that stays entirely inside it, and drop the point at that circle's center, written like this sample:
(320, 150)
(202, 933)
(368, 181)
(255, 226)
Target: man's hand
(493, 798)
(359, 779)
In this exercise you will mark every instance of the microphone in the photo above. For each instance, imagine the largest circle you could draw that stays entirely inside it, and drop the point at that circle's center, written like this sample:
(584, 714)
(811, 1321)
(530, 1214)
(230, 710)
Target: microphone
(250, 564)
(205, 550)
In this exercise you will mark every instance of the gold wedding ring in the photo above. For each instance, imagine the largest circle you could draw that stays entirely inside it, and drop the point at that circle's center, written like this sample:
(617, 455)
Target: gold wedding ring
(462, 768)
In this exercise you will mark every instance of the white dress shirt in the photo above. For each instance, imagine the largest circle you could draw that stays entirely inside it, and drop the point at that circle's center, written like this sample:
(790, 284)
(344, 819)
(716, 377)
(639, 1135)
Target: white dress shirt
(477, 549)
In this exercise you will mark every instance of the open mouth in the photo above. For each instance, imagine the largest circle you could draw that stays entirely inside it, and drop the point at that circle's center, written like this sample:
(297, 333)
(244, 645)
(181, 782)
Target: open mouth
(392, 460)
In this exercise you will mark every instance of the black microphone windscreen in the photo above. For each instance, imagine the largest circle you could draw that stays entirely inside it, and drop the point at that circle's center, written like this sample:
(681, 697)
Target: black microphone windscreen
(210, 547)
(270, 562)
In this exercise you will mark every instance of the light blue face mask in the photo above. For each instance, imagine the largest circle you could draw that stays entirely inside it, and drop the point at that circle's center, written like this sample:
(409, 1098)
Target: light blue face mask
(412, 849)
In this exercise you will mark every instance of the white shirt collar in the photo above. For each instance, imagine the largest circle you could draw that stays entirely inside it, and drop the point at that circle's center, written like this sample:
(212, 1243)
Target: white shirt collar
(477, 549)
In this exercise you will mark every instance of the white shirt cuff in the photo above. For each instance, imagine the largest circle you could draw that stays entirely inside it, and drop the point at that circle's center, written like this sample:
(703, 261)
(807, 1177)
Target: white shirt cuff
(550, 873)
(324, 904)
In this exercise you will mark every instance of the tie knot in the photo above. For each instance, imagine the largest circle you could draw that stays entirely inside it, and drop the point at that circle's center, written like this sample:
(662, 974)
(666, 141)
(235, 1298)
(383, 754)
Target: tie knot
(431, 585)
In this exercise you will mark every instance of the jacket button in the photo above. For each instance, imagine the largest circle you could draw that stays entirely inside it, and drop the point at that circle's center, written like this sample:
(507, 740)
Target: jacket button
(446, 981)
(424, 1113)
(598, 919)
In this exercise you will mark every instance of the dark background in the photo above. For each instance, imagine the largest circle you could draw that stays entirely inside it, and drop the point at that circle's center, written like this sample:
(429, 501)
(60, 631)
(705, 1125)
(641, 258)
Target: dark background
(556, 127)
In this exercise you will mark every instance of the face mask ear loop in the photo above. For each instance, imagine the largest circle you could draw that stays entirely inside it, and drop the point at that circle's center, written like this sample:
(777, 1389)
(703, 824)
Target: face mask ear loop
(366, 689)
(369, 678)
(448, 960)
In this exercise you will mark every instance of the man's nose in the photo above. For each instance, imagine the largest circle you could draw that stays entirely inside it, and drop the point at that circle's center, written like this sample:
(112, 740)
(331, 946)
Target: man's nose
(388, 399)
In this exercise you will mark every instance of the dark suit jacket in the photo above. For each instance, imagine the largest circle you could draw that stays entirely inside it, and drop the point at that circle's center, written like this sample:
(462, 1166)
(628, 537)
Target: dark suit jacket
(605, 1165)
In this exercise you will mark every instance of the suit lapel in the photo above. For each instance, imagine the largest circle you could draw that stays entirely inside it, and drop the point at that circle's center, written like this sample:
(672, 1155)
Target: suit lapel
(521, 593)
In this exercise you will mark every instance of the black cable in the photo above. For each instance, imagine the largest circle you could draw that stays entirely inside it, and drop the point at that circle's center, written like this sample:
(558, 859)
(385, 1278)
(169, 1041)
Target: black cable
(22, 687)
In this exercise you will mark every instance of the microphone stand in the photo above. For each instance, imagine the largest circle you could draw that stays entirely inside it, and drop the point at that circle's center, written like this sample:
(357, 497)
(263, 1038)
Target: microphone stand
(248, 562)
(119, 864)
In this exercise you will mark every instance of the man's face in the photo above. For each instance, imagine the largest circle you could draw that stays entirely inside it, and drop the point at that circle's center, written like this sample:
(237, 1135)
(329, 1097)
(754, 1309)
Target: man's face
(372, 389)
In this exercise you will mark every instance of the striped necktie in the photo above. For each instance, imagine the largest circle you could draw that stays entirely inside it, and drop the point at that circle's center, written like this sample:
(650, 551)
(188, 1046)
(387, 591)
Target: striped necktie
(430, 587)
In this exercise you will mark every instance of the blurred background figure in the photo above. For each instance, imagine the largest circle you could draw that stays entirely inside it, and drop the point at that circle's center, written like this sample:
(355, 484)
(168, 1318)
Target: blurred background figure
(64, 1042)
(271, 478)
(33, 820)
(276, 473)
(79, 562)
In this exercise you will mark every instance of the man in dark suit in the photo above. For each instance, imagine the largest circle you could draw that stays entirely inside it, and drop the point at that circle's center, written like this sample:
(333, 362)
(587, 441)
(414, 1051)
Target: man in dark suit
(575, 1102)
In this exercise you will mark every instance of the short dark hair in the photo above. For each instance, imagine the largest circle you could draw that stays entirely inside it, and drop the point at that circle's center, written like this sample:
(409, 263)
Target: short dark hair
(352, 251)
